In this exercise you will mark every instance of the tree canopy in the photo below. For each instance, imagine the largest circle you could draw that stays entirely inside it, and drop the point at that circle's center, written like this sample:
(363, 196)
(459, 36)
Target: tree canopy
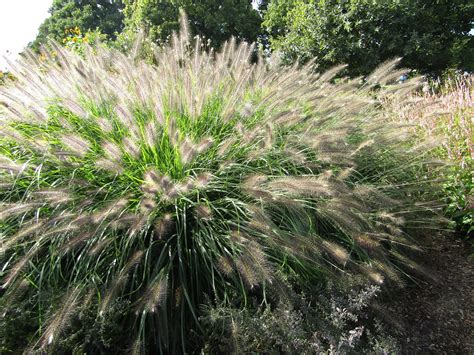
(215, 20)
(430, 35)
(103, 15)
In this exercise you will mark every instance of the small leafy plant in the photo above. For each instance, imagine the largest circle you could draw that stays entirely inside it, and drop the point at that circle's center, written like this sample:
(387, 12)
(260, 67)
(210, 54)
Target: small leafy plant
(206, 176)
(333, 321)
(75, 40)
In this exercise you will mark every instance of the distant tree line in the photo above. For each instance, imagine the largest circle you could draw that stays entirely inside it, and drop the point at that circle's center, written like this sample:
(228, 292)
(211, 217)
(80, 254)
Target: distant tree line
(431, 36)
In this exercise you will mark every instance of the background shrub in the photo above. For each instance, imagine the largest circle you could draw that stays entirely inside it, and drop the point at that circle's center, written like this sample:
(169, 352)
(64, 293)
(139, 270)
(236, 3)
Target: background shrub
(430, 36)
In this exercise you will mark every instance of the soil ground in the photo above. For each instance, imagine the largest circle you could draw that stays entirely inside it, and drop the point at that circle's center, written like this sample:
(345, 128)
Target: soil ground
(437, 316)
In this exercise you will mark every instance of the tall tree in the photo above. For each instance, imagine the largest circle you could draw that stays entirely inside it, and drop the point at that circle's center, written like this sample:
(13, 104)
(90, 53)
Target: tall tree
(216, 20)
(104, 15)
(430, 35)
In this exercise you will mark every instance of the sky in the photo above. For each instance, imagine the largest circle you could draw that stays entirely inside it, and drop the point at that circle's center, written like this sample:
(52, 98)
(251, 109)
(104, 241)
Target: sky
(19, 23)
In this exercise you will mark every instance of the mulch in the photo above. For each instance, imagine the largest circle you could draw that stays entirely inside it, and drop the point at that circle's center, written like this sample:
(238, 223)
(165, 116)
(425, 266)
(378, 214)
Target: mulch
(436, 316)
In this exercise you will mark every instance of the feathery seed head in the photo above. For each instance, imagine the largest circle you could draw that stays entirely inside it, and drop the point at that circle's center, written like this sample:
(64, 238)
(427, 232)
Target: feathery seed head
(366, 241)
(113, 208)
(225, 265)
(112, 151)
(203, 212)
(11, 166)
(337, 252)
(375, 277)
(55, 196)
(105, 125)
(163, 226)
(203, 180)
(247, 110)
(75, 144)
(131, 147)
(156, 295)
(152, 184)
(185, 186)
(109, 165)
(188, 151)
(147, 205)
(170, 193)
(247, 271)
(15, 209)
(151, 134)
(204, 144)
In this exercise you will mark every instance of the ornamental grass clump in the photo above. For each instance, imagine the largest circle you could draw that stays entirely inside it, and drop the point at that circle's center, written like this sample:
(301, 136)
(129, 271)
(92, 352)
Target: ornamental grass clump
(447, 110)
(152, 189)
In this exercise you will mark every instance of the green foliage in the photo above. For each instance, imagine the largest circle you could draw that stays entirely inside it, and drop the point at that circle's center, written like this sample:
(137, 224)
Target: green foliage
(430, 36)
(208, 176)
(6, 77)
(104, 16)
(459, 191)
(459, 187)
(76, 41)
(215, 20)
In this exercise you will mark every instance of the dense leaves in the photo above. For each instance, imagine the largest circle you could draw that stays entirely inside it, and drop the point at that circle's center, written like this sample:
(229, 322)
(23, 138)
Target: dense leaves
(215, 20)
(102, 15)
(430, 35)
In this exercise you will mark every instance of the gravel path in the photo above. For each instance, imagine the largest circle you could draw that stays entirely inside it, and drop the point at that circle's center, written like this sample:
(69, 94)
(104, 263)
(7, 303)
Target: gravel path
(437, 317)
